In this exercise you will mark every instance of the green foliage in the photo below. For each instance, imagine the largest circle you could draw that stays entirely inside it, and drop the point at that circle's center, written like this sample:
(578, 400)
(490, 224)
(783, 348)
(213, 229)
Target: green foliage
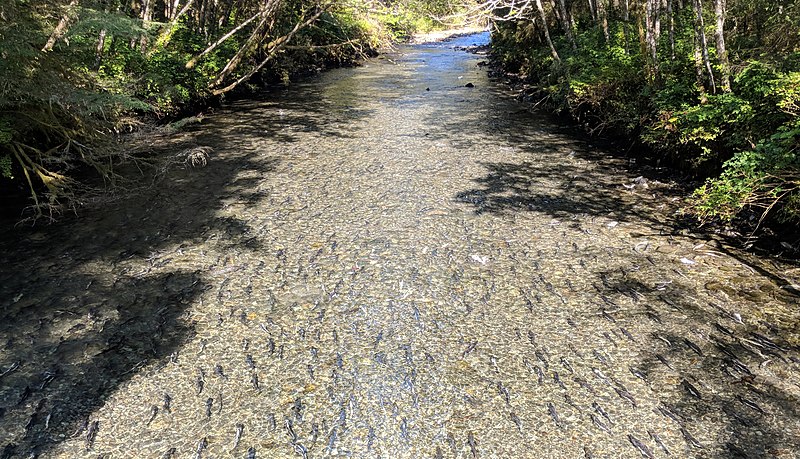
(60, 106)
(744, 141)
(5, 167)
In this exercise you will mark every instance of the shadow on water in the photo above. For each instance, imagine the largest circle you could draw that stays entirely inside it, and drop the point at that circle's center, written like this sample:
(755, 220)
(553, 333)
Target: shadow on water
(733, 361)
(87, 304)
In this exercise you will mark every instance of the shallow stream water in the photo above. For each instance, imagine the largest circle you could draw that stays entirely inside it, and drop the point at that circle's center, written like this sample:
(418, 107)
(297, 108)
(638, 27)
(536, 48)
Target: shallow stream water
(384, 262)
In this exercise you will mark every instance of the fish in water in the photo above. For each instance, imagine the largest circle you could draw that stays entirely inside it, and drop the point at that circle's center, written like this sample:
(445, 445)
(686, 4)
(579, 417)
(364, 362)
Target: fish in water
(656, 438)
(504, 391)
(371, 438)
(663, 360)
(583, 383)
(599, 409)
(298, 409)
(153, 414)
(471, 347)
(567, 365)
(627, 334)
(637, 373)
(691, 389)
(690, 439)
(91, 433)
(625, 395)
(516, 420)
(201, 446)
(200, 381)
(404, 429)
(254, 381)
(290, 430)
(167, 406)
(301, 450)
(251, 453)
(669, 414)
(557, 379)
(539, 374)
(218, 371)
(599, 424)
(553, 413)
(473, 445)
(169, 454)
(542, 358)
(644, 449)
(238, 435)
(209, 403)
(693, 346)
(600, 357)
(751, 404)
(250, 362)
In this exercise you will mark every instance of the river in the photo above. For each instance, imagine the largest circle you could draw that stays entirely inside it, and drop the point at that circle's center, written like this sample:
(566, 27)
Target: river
(394, 261)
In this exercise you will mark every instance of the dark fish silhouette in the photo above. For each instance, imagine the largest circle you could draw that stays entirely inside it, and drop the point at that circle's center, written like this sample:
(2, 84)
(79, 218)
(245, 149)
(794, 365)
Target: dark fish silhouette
(599, 424)
(167, 405)
(238, 435)
(553, 413)
(599, 409)
(473, 445)
(201, 446)
(516, 420)
(91, 433)
(644, 449)
(658, 441)
(200, 381)
(218, 371)
(625, 395)
(691, 389)
(690, 439)
(153, 414)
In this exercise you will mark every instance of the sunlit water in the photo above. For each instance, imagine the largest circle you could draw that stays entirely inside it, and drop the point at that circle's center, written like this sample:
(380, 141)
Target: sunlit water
(383, 262)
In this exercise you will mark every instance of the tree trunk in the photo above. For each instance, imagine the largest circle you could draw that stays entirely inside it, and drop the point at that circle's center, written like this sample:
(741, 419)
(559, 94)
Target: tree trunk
(671, 15)
(546, 31)
(602, 15)
(702, 43)
(101, 44)
(61, 28)
(626, 17)
(567, 23)
(722, 53)
(651, 37)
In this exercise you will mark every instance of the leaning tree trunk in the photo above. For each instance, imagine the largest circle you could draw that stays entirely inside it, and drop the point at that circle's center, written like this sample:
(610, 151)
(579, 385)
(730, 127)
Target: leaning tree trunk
(722, 53)
(546, 31)
(61, 28)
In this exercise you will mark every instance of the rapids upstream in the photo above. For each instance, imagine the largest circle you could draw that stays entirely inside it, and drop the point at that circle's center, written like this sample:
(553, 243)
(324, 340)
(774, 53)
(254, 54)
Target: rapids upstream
(383, 262)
